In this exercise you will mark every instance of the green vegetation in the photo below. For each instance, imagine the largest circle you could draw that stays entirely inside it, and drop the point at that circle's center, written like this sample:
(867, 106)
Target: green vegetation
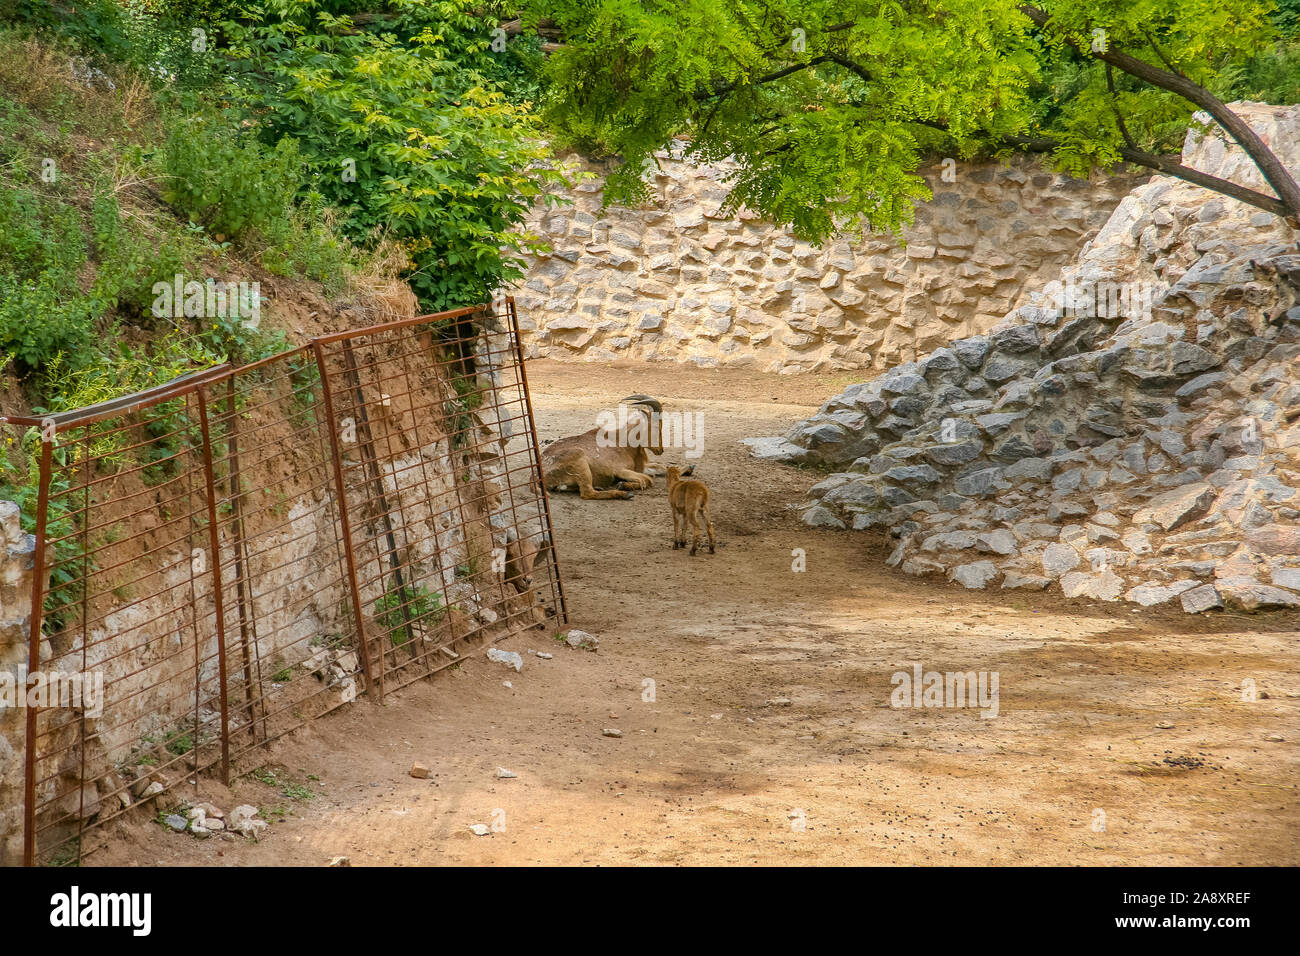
(140, 139)
(830, 107)
(323, 141)
(402, 127)
(294, 791)
(413, 602)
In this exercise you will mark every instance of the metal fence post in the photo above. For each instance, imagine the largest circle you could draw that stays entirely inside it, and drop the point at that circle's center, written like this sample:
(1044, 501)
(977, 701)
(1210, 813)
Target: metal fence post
(34, 651)
(537, 456)
(366, 441)
(214, 544)
(247, 620)
(345, 523)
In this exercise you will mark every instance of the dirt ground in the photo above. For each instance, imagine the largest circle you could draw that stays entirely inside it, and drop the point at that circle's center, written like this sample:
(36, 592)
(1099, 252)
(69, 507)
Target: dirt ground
(770, 738)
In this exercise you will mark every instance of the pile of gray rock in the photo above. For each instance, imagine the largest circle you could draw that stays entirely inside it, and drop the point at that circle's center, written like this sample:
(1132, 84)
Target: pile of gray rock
(1145, 449)
(204, 820)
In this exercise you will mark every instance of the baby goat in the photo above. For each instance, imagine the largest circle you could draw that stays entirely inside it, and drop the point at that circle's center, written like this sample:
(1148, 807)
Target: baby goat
(689, 500)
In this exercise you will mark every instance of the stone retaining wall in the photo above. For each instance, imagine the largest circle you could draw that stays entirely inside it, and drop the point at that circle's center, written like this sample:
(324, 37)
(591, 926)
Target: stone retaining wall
(678, 282)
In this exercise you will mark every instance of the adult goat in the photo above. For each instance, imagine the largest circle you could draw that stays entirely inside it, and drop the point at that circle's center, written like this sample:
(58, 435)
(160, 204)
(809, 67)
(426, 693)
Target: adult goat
(602, 466)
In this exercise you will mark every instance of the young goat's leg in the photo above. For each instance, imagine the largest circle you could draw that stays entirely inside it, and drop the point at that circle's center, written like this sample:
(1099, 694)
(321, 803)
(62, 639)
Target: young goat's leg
(676, 536)
(709, 524)
(695, 531)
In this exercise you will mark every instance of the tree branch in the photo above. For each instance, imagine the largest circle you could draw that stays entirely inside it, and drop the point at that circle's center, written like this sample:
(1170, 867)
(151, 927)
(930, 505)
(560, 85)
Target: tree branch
(1161, 53)
(726, 88)
(1114, 108)
(1170, 167)
(1272, 169)
(1161, 164)
(857, 69)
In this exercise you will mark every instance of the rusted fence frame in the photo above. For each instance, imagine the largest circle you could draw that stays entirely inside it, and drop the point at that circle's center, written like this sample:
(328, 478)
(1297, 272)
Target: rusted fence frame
(36, 620)
(50, 427)
(286, 452)
(366, 443)
(375, 500)
(463, 340)
(345, 521)
(214, 543)
(247, 621)
(428, 654)
(199, 388)
(526, 397)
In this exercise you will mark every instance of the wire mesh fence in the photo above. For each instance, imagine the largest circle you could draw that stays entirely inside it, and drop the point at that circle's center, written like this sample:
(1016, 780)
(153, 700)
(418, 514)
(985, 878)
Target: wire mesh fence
(244, 549)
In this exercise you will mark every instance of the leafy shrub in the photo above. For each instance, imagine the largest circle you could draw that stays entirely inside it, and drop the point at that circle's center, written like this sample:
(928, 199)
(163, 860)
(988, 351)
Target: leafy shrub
(1271, 77)
(517, 70)
(413, 601)
(45, 246)
(231, 184)
(240, 190)
(119, 369)
(174, 45)
(231, 339)
(404, 130)
(130, 262)
(307, 242)
(1287, 18)
(191, 11)
(154, 36)
(93, 25)
(42, 310)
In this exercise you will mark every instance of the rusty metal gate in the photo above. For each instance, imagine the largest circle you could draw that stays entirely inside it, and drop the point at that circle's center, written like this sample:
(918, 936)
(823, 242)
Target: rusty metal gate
(243, 549)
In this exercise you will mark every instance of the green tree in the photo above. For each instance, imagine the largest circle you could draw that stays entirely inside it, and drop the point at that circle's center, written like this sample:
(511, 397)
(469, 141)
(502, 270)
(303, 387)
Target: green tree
(830, 106)
(1287, 17)
(402, 127)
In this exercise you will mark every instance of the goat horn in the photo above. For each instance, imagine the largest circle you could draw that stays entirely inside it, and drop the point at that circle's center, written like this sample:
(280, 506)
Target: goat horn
(645, 400)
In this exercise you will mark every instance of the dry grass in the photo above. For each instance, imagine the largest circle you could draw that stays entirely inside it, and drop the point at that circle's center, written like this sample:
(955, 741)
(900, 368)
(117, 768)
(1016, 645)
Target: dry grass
(135, 102)
(50, 80)
(33, 73)
(80, 105)
(378, 283)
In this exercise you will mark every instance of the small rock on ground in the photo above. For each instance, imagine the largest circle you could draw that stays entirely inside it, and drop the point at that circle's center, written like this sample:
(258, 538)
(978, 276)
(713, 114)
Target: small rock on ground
(509, 658)
(581, 640)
